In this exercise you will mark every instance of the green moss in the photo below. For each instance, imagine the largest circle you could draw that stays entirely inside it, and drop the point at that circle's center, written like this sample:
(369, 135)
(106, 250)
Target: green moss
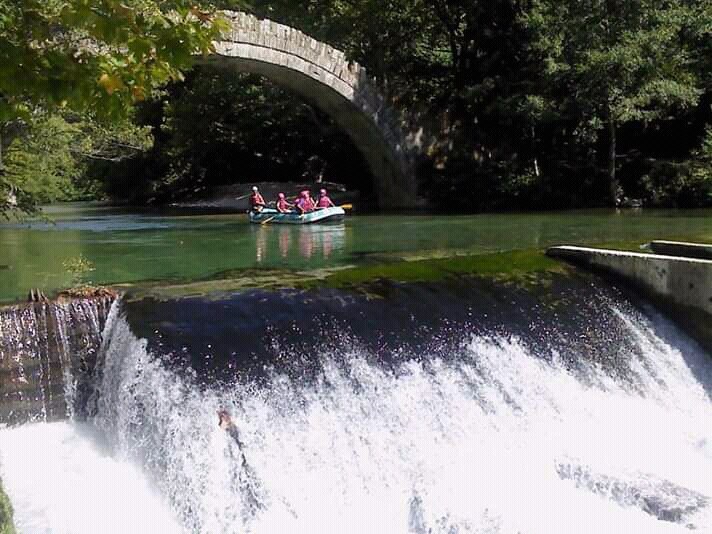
(521, 265)
(528, 268)
(227, 282)
(6, 524)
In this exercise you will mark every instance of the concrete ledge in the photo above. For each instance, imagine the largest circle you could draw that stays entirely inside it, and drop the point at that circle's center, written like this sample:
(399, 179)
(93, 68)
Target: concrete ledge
(680, 286)
(686, 250)
(686, 281)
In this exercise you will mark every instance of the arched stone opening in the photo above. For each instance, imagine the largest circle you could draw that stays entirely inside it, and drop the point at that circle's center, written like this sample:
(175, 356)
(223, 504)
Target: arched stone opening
(321, 75)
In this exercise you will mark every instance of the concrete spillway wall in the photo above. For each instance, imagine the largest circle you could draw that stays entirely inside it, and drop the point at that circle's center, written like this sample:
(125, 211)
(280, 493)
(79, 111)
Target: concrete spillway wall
(685, 250)
(48, 353)
(682, 285)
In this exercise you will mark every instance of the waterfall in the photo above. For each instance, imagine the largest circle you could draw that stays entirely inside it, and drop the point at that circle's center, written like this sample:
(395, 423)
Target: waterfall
(490, 436)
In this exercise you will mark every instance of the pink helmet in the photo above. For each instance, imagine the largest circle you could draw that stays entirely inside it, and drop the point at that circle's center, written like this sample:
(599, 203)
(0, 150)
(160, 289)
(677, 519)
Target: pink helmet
(322, 192)
(281, 195)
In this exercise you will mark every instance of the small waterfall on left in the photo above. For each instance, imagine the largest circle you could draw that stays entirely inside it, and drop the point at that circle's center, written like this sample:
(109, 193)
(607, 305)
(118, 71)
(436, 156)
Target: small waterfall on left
(48, 353)
(56, 467)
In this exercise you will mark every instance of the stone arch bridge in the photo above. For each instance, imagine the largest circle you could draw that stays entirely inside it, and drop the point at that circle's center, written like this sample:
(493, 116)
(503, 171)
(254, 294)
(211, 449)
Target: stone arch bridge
(323, 76)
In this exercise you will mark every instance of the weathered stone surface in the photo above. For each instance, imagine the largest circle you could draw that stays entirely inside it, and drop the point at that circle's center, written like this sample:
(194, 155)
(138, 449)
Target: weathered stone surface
(321, 74)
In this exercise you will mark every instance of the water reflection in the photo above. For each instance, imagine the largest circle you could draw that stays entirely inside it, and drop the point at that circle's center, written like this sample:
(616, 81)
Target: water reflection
(304, 241)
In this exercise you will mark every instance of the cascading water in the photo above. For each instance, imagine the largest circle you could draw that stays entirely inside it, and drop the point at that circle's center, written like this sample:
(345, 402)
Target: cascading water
(487, 433)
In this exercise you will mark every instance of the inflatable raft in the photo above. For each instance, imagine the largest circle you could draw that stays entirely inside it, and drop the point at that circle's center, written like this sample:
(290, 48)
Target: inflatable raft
(272, 216)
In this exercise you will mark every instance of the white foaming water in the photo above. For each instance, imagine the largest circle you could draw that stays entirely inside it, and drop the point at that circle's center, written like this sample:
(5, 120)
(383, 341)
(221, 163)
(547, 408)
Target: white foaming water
(497, 440)
(60, 478)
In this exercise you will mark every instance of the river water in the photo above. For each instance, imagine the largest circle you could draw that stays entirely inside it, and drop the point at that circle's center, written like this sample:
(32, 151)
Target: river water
(131, 247)
(447, 407)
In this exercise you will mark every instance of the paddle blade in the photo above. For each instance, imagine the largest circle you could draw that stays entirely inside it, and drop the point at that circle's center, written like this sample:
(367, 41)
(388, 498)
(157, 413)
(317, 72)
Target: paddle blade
(347, 207)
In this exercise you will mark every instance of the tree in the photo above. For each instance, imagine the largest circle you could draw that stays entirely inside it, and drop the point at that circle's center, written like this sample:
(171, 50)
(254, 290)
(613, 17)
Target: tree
(221, 126)
(622, 62)
(98, 57)
(47, 160)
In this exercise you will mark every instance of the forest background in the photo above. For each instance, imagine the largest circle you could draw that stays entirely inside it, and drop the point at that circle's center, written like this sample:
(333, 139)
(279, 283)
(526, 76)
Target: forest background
(529, 104)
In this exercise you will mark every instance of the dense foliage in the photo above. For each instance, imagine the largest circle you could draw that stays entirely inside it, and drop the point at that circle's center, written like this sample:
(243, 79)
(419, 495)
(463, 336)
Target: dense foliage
(222, 127)
(6, 523)
(528, 103)
(95, 57)
(540, 103)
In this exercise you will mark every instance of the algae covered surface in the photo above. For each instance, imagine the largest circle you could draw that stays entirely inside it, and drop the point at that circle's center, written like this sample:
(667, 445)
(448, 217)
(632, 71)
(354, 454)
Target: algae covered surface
(6, 523)
(507, 266)
(522, 267)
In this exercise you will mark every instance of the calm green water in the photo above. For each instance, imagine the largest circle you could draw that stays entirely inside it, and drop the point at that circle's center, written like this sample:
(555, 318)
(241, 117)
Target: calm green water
(130, 247)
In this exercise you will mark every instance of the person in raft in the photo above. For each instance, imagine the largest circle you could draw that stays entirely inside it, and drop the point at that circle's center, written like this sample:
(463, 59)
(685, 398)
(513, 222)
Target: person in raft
(305, 204)
(257, 203)
(324, 201)
(283, 205)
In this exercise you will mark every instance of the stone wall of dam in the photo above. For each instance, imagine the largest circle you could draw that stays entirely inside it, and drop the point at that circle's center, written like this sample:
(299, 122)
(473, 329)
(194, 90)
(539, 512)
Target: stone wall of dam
(48, 353)
(681, 285)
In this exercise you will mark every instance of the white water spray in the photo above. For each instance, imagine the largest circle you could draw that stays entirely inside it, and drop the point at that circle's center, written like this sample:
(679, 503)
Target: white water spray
(62, 479)
(495, 440)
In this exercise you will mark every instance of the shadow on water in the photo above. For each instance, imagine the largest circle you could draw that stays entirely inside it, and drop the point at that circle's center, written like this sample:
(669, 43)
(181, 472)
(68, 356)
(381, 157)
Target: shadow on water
(247, 335)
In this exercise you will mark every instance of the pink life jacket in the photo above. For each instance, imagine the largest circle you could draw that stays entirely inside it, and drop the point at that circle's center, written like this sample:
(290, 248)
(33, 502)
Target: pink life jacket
(282, 204)
(324, 202)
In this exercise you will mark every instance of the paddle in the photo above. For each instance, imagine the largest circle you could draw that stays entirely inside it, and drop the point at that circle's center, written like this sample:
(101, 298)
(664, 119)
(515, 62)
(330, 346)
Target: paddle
(268, 220)
(347, 207)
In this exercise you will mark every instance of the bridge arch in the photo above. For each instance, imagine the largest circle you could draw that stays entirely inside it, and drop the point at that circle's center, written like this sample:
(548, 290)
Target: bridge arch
(322, 75)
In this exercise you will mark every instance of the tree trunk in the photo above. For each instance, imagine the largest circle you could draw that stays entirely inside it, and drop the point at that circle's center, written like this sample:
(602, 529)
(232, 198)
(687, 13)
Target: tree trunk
(612, 156)
(537, 171)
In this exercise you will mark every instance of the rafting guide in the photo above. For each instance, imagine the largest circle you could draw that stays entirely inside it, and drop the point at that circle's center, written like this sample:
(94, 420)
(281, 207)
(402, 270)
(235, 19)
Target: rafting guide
(257, 202)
